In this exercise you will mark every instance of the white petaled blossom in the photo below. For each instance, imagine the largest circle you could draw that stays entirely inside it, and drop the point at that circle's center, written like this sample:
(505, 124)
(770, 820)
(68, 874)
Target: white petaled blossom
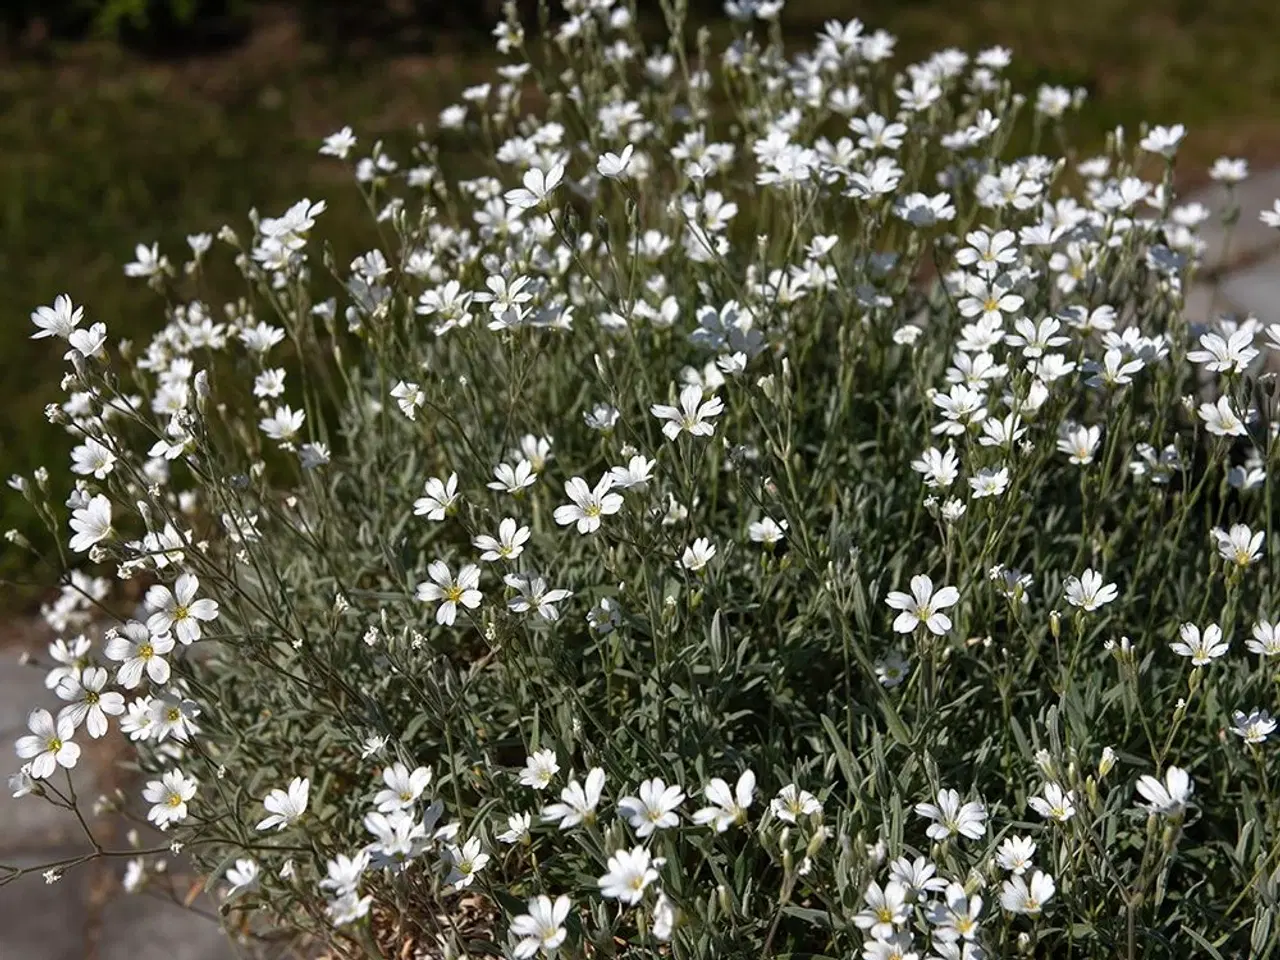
(507, 545)
(439, 498)
(1056, 804)
(242, 877)
(792, 803)
(578, 802)
(1089, 592)
(464, 862)
(1265, 639)
(286, 807)
(539, 769)
(1168, 797)
(542, 929)
(654, 807)
(923, 606)
(1254, 726)
(49, 745)
(697, 555)
(950, 817)
(588, 505)
(403, 787)
(630, 874)
(1019, 894)
(91, 523)
(169, 797)
(884, 910)
(1221, 419)
(450, 592)
(88, 702)
(1015, 854)
(1201, 647)
(533, 596)
(693, 416)
(726, 807)
(139, 651)
(1239, 545)
(178, 610)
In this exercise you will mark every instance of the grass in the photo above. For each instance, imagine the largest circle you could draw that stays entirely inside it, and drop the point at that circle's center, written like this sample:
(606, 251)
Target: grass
(103, 150)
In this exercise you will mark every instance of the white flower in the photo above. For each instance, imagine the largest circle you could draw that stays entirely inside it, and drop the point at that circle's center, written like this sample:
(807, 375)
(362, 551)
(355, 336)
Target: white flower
(440, 498)
(1253, 727)
(1056, 804)
(539, 769)
(286, 807)
(1079, 443)
(1265, 640)
(284, 424)
(518, 825)
(693, 416)
(511, 479)
(727, 807)
(989, 482)
(88, 704)
(450, 591)
(542, 928)
(1015, 854)
(577, 803)
(403, 787)
(884, 910)
(534, 595)
(614, 166)
(635, 475)
(950, 817)
(49, 745)
(588, 505)
(1231, 354)
(1089, 592)
(137, 649)
(1201, 648)
(508, 545)
(956, 917)
(654, 808)
(698, 555)
(178, 610)
(169, 797)
(1169, 797)
(629, 874)
(408, 397)
(923, 606)
(1221, 420)
(92, 524)
(1163, 140)
(348, 908)
(344, 873)
(767, 531)
(243, 877)
(538, 185)
(338, 144)
(940, 467)
(1239, 545)
(791, 803)
(57, 321)
(1019, 896)
(1271, 217)
(464, 862)
(92, 458)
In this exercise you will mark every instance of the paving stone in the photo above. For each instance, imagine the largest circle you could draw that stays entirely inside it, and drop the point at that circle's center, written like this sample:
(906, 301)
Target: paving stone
(22, 689)
(144, 927)
(1250, 234)
(40, 921)
(1255, 289)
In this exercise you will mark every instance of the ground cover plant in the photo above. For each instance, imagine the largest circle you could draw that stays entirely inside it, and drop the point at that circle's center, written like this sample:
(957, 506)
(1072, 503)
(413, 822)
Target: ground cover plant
(774, 508)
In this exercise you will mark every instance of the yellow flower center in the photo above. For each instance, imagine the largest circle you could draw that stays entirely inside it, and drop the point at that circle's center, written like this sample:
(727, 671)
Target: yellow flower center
(54, 745)
(146, 651)
(453, 594)
(174, 800)
(181, 613)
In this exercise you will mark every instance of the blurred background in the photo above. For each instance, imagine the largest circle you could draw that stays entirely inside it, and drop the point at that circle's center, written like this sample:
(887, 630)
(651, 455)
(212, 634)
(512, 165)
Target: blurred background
(126, 121)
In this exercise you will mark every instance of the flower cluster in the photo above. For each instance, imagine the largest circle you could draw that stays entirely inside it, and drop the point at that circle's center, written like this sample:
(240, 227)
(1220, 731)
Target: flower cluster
(759, 506)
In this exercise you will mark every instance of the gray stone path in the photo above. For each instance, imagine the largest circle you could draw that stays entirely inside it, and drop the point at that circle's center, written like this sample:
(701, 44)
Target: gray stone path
(86, 915)
(1245, 270)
